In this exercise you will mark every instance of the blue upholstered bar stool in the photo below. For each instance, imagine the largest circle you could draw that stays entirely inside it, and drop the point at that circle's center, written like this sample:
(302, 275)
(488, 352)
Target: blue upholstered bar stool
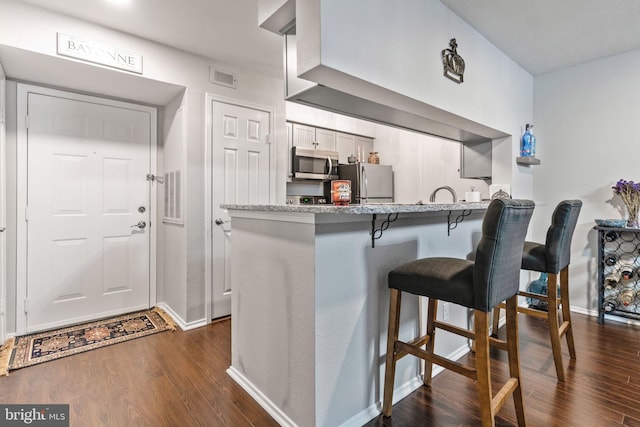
(481, 284)
(552, 257)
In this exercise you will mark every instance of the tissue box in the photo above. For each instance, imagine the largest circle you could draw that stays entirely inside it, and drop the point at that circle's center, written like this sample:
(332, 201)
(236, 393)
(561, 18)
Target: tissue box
(472, 196)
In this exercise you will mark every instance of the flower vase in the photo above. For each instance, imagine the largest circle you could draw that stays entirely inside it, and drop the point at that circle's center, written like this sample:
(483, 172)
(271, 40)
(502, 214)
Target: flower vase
(632, 220)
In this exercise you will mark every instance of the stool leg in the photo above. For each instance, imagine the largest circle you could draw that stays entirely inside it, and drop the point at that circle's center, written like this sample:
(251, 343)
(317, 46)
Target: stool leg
(392, 337)
(514, 357)
(483, 369)
(554, 327)
(566, 309)
(432, 310)
(496, 322)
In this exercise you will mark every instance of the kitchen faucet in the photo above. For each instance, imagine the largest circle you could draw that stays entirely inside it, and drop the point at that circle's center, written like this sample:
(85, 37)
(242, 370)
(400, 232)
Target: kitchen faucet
(432, 198)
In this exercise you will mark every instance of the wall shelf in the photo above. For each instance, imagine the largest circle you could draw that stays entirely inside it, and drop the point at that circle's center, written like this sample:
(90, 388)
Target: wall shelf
(529, 160)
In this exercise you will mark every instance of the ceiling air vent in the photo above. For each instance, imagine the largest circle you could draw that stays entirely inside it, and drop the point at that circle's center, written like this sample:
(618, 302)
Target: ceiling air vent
(221, 78)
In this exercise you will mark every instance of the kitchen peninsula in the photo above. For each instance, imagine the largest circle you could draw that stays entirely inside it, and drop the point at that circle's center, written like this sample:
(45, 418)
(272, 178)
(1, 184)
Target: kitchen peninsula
(310, 301)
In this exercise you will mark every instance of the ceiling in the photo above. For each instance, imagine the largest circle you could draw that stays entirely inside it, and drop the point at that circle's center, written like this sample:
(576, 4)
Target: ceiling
(540, 35)
(548, 35)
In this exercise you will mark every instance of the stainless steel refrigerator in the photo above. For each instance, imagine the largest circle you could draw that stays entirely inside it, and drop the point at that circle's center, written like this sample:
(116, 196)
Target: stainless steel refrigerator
(370, 183)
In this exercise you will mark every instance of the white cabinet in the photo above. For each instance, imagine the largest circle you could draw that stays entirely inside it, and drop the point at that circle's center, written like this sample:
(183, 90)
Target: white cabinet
(312, 137)
(348, 144)
(345, 146)
(365, 145)
(476, 159)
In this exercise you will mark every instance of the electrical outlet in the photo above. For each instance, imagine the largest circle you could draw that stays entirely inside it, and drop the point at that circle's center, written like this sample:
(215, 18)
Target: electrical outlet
(445, 311)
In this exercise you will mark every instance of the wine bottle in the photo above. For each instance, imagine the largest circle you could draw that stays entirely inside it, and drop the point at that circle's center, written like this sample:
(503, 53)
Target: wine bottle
(626, 271)
(611, 259)
(609, 304)
(610, 236)
(627, 297)
(611, 281)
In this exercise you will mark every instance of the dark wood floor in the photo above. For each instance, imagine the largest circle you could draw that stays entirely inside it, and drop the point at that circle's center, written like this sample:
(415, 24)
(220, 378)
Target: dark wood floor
(178, 379)
(602, 387)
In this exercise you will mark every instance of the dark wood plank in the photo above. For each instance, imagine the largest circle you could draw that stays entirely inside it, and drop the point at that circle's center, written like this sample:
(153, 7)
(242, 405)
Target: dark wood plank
(168, 379)
(179, 378)
(601, 386)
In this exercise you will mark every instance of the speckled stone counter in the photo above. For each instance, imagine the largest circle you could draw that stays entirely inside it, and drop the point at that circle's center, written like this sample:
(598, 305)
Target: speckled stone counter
(382, 208)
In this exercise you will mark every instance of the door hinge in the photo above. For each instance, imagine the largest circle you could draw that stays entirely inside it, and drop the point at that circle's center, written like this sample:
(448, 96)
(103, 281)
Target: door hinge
(26, 306)
(26, 213)
(26, 121)
(268, 139)
(155, 178)
(2, 117)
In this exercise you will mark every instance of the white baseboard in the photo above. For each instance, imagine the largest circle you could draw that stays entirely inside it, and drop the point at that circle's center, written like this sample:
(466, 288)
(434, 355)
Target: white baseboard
(374, 410)
(262, 400)
(185, 326)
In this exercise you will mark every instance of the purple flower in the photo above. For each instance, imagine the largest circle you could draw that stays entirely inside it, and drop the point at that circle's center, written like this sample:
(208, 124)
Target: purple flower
(629, 192)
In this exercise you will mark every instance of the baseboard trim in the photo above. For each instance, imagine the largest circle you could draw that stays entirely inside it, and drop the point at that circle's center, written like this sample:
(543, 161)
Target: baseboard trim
(185, 326)
(262, 400)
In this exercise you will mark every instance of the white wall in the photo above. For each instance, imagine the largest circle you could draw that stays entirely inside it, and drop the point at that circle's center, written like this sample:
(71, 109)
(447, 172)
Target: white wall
(3, 192)
(397, 46)
(34, 30)
(586, 124)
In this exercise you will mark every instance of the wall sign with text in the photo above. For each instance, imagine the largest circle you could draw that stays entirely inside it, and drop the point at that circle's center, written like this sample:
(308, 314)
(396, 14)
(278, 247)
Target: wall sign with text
(98, 53)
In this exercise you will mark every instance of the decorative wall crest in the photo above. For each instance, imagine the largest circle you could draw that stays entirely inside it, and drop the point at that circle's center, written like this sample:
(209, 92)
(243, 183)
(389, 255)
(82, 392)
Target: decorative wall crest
(453, 63)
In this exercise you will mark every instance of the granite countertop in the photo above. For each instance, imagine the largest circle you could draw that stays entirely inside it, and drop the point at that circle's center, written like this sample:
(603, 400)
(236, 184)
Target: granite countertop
(381, 208)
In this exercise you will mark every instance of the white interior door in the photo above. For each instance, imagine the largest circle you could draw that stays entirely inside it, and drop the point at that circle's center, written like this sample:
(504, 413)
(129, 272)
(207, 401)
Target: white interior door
(241, 175)
(88, 213)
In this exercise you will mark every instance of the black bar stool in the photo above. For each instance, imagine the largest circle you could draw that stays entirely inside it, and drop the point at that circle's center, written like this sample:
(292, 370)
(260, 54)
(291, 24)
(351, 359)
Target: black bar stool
(552, 258)
(481, 284)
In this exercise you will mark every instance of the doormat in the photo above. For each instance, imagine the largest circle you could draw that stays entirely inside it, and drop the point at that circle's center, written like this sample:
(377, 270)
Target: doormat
(29, 350)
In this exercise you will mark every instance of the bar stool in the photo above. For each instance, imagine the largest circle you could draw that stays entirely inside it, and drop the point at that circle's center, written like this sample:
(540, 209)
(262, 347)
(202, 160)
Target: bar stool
(480, 285)
(552, 258)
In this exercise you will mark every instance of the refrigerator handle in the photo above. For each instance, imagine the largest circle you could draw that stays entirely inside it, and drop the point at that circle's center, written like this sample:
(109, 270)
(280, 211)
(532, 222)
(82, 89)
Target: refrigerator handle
(366, 184)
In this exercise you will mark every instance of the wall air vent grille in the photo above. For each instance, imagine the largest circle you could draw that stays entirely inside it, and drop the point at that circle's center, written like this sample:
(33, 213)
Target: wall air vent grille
(222, 78)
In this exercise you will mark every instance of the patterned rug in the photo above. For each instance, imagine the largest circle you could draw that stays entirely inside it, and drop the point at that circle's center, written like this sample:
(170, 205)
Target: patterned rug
(41, 347)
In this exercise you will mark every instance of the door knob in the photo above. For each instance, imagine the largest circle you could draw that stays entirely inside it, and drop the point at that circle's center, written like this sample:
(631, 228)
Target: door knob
(140, 224)
(219, 221)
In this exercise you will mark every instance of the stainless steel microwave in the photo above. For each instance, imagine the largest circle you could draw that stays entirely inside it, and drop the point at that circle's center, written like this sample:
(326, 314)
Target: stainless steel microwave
(314, 164)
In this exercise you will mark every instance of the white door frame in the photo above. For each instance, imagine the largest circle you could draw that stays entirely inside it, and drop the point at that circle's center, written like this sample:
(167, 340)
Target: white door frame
(208, 187)
(21, 196)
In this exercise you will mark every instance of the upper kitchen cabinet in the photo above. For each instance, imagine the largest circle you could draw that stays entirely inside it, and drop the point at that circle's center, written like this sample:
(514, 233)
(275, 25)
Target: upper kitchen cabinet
(348, 144)
(314, 138)
(345, 146)
(476, 157)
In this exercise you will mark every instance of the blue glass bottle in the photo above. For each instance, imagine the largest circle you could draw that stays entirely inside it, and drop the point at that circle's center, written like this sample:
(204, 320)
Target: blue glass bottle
(525, 142)
(533, 141)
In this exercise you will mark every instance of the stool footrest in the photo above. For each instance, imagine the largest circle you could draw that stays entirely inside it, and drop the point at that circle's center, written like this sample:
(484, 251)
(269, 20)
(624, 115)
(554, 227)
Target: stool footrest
(454, 329)
(533, 312)
(563, 328)
(438, 360)
(503, 394)
(536, 296)
(416, 343)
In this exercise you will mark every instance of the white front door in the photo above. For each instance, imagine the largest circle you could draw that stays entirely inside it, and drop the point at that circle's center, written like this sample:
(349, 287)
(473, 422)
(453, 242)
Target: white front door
(88, 210)
(241, 175)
